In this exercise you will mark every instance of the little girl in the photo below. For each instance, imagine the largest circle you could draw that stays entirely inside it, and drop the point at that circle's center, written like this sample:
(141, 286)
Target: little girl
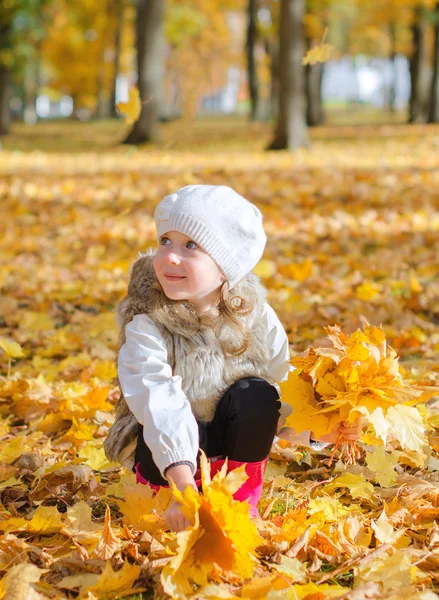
(201, 350)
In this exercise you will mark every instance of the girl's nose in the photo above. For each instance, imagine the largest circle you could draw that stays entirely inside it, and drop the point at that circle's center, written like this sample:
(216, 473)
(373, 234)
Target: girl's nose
(172, 258)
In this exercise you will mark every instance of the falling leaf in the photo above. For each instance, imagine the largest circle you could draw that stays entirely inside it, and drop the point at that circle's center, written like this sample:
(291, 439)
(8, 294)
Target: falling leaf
(132, 108)
(320, 53)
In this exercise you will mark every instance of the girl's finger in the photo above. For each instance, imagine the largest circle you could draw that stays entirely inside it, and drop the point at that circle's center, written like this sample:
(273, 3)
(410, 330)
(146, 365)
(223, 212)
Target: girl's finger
(350, 428)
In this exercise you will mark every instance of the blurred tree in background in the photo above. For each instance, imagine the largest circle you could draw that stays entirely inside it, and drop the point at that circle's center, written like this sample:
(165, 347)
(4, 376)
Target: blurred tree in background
(21, 36)
(211, 55)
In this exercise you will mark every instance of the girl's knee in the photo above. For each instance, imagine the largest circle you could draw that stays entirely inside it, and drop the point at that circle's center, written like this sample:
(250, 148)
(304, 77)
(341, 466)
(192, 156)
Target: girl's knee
(256, 397)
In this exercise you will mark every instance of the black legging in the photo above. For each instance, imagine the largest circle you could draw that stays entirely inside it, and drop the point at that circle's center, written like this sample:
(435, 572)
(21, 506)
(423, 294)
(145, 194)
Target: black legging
(243, 427)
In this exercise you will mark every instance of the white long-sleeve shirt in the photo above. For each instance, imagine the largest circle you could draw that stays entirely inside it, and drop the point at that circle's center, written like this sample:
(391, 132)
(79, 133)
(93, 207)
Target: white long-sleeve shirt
(155, 396)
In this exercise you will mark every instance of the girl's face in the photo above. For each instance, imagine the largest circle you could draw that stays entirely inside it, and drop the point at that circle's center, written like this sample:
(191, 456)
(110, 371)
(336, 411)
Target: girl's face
(186, 272)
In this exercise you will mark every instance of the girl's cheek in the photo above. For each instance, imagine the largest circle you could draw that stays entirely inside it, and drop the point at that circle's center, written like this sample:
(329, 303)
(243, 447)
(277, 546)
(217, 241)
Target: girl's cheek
(156, 263)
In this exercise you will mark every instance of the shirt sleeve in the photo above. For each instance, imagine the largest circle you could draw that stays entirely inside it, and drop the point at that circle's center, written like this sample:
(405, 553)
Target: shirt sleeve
(155, 396)
(278, 364)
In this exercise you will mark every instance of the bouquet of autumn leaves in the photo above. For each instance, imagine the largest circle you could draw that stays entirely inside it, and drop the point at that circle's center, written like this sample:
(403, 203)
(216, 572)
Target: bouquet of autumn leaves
(359, 377)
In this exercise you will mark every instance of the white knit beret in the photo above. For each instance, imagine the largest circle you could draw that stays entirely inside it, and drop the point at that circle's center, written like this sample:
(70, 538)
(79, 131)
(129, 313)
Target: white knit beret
(226, 225)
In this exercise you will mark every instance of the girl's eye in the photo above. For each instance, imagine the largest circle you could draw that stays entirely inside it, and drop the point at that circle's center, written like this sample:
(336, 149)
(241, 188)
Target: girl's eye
(191, 245)
(164, 241)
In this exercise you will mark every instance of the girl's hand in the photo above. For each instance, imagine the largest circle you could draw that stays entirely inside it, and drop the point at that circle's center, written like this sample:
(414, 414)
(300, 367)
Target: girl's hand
(181, 476)
(348, 431)
(295, 439)
(175, 519)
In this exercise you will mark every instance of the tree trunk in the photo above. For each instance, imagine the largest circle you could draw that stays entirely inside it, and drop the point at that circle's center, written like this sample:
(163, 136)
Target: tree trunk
(117, 49)
(150, 71)
(252, 73)
(31, 84)
(272, 50)
(417, 66)
(291, 132)
(314, 78)
(394, 75)
(433, 109)
(103, 109)
(5, 113)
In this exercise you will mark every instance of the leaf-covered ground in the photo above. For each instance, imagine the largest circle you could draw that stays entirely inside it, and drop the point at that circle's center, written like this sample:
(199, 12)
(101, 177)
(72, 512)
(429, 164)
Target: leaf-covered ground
(353, 227)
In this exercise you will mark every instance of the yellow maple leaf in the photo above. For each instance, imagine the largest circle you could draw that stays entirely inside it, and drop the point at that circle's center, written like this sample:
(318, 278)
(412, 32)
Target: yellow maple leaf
(382, 465)
(46, 519)
(79, 525)
(117, 489)
(299, 395)
(302, 271)
(330, 507)
(13, 524)
(320, 53)
(105, 370)
(367, 291)
(112, 584)
(4, 428)
(132, 108)
(393, 569)
(265, 268)
(357, 348)
(293, 568)
(222, 538)
(407, 426)
(36, 321)
(10, 348)
(96, 457)
(259, 588)
(54, 422)
(356, 484)
(143, 510)
(12, 449)
(384, 531)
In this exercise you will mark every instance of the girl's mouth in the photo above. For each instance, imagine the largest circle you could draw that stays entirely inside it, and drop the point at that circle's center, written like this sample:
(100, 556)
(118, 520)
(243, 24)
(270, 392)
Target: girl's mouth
(169, 277)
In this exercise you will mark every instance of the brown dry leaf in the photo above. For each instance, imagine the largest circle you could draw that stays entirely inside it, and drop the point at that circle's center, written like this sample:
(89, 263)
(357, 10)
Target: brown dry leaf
(18, 583)
(109, 542)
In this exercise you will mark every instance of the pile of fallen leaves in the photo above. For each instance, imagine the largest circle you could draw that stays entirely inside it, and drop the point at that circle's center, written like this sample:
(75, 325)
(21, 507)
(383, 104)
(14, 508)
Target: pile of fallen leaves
(350, 238)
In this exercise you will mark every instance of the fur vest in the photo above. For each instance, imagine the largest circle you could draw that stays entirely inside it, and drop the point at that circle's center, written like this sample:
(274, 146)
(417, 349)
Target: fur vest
(197, 351)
